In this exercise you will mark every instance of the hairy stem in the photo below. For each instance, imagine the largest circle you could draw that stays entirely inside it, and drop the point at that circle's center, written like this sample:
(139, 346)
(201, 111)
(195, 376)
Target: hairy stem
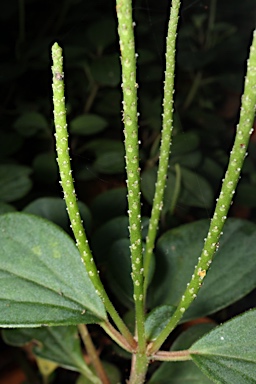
(130, 119)
(166, 138)
(116, 336)
(172, 356)
(69, 190)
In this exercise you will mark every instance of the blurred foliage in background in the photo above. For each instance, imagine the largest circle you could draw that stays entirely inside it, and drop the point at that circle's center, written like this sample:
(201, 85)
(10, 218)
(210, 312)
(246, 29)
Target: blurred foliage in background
(213, 42)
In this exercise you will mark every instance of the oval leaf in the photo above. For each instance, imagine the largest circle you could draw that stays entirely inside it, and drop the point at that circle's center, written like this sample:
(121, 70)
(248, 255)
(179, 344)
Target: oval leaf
(107, 234)
(110, 163)
(100, 146)
(195, 191)
(14, 182)
(43, 278)
(109, 204)
(87, 124)
(157, 320)
(148, 182)
(229, 278)
(228, 353)
(54, 209)
(30, 123)
(56, 344)
(59, 344)
(119, 271)
(45, 168)
(183, 143)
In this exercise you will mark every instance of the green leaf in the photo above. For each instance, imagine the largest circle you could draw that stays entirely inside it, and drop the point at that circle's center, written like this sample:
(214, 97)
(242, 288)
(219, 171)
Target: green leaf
(106, 70)
(182, 372)
(191, 335)
(148, 182)
(109, 204)
(110, 163)
(184, 143)
(58, 344)
(212, 171)
(54, 209)
(195, 190)
(46, 168)
(29, 123)
(43, 262)
(87, 124)
(100, 146)
(229, 278)
(227, 354)
(157, 320)
(14, 182)
(191, 160)
(4, 208)
(119, 271)
(109, 232)
(113, 230)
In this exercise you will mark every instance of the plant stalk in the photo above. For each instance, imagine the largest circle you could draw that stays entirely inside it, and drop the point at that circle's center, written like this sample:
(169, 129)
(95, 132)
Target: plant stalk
(172, 356)
(130, 119)
(67, 183)
(166, 139)
(93, 353)
(139, 368)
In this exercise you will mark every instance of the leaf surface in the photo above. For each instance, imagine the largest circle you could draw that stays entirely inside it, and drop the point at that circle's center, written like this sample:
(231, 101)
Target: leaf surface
(183, 372)
(88, 124)
(57, 344)
(54, 209)
(227, 354)
(14, 182)
(157, 320)
(232, 274)
(42, 277)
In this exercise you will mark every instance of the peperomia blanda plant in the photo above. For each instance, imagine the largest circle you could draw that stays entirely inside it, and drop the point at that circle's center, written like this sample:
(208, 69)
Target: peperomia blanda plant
(52, 288)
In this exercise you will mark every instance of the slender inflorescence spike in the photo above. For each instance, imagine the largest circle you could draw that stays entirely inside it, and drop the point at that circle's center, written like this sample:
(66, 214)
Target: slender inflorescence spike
(237, 155)
(166, 138)
(67, 183)
(130, 119)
